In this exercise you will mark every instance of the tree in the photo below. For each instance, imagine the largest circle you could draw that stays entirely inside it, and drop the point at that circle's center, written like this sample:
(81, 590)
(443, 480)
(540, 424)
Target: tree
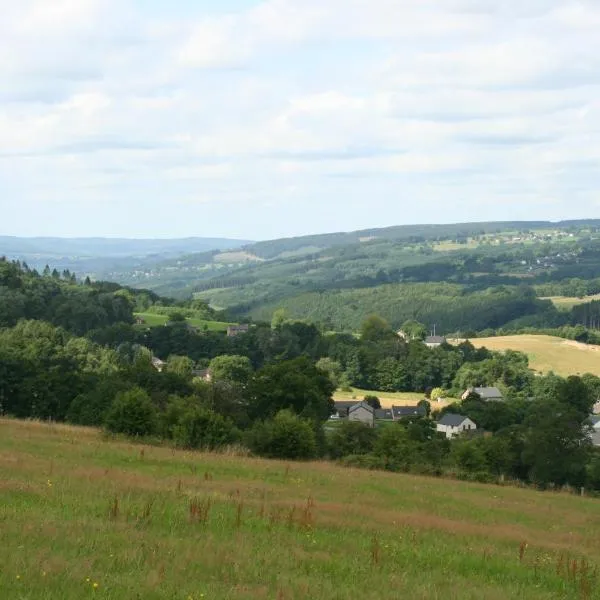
(436, 394)
(231, 368)
(132, 413)
(279, 318)
(333, 369)
(285, 436)
(296, 385)
(414, 330)
(176, 317)
(373, 401)
(180, 365)
(376, 329)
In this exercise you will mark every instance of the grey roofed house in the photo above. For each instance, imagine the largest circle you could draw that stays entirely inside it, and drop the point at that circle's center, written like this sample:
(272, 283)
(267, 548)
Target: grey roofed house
(233, 330)
(384, 414)
(488, 394)
(402, 412)
(362, 412)
(434, 340)
(452, 420)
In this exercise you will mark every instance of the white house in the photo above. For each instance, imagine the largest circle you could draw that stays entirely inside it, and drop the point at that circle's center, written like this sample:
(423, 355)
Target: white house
(158, 364)
(452, 425)
(363, 413)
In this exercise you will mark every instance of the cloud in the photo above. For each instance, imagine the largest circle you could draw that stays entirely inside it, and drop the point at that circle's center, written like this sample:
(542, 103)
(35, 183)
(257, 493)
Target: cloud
(383, 111)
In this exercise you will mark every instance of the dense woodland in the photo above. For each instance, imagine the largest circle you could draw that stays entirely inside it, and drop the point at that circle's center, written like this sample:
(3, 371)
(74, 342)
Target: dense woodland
(70, 351)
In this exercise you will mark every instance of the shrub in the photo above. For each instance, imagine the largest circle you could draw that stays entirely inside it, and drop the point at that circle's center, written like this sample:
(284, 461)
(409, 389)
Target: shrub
(351, 438)
(132, 413)
(284, 436)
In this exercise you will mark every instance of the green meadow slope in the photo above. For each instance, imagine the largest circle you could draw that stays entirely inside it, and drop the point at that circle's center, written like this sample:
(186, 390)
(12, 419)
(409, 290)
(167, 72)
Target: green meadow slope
(83, 517)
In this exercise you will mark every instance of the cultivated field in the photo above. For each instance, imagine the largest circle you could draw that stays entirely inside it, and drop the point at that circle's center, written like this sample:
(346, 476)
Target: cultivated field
(548, 353)
(81, 517)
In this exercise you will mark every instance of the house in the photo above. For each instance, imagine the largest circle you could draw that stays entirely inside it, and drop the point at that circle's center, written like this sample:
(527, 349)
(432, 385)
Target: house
(452, 425)
(487, 394)
(158, 364)
(404, 412)
(433, 341)
(362, 413)
(596, 409)
(342, 407)
(140, 321)
(202, 374)
(384, 414)
(233, 330)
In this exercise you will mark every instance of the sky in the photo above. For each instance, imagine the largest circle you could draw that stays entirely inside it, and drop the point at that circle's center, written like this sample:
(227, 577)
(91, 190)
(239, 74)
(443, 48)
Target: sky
(260, 119)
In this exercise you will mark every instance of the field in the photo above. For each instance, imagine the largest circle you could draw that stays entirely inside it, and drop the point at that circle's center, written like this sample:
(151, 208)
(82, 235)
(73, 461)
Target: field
(154, 320)
(548, 353)
(83, 517)
(386, 398)
(567, 302)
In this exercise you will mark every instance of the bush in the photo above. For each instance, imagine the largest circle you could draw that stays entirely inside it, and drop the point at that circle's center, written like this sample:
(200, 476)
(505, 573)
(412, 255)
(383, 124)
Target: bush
(364, 461)
(190, 425)
(351, 438)
(284, 436)
(132, 413)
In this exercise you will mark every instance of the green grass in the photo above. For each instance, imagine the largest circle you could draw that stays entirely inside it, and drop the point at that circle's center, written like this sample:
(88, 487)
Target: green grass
(548, 353)
(155, 320)
(77, 510)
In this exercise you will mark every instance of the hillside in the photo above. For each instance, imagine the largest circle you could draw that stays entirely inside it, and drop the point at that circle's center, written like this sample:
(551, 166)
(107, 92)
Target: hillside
(83, 516)
(547, 353)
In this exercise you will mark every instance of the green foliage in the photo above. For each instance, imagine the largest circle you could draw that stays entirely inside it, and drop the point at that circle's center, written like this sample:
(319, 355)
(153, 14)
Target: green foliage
(296, 385)
(191, 425)
(285, 436)
(180, 365)
(375, 329)
(231, 368)
(132, 413)
(351, 438)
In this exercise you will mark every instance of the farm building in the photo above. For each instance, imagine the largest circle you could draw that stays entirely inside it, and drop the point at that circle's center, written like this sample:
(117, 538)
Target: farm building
(487, 394)
(363, 413)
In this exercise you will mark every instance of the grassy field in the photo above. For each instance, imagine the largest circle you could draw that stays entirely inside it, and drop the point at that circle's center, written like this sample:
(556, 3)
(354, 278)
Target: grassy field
(568, 302)
(386, 398)
(154, 320)
(548, 353)
(81, 517)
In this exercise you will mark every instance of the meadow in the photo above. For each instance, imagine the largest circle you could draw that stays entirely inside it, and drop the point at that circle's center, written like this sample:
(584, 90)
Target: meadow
(157, 320)
(548, 353)
(82, 516)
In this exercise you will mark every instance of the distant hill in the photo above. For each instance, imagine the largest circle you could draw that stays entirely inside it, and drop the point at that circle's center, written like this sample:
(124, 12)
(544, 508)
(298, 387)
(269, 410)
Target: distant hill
(96, 255)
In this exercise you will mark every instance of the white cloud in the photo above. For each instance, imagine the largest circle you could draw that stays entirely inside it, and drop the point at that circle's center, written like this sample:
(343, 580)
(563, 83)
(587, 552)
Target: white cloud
(308, 103)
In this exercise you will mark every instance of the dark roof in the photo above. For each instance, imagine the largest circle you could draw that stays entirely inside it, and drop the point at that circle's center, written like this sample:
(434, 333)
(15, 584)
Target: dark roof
(361, 405)
(408, 411)
(345, 404)
(435, 339)
(452, 420)
(384, 413)
(488, 392)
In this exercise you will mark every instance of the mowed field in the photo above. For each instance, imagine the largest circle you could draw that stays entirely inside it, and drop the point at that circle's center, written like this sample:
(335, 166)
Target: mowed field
(83, 517)
(547, 353)
(387, 399)
(568, 302)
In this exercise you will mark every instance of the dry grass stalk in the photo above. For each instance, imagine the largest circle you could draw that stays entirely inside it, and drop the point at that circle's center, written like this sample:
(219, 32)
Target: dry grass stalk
(522, 549)
(238, 514)
(199, 510)
(375, 550)
(113, 511)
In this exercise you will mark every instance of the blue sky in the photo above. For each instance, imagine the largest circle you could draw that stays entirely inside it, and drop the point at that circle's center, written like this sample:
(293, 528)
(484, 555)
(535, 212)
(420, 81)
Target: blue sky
(260, 119)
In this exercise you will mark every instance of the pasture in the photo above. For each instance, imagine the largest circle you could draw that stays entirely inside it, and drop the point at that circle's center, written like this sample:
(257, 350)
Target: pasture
(156, 320)
(548, 353)
(566, 303)
(386, 398)
(86, 517)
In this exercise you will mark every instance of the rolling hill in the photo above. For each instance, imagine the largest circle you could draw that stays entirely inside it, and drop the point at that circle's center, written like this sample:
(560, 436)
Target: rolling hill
(84, 517)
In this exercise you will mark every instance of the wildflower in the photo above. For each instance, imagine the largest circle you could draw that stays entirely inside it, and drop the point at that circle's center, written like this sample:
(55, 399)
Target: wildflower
(87, 579)
(18, 577)
(43, 573)
(95, 585)
(49, 483)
